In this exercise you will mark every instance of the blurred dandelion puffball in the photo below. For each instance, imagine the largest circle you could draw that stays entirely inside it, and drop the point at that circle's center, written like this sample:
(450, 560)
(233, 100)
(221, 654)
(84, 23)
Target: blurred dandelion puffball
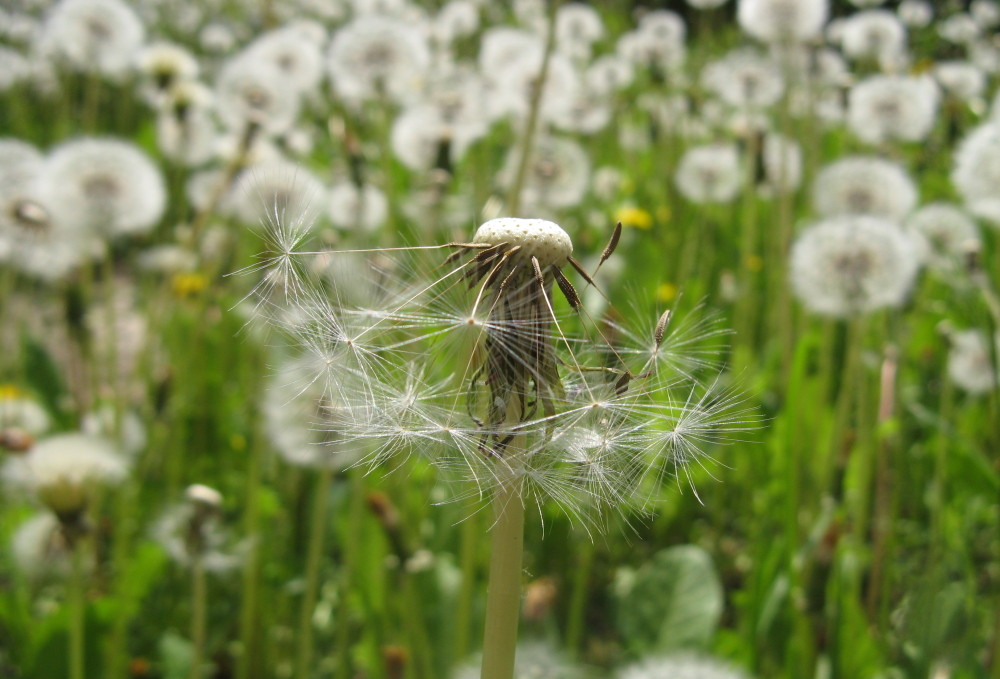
(65, 471)
(850, 265)
(544, 240)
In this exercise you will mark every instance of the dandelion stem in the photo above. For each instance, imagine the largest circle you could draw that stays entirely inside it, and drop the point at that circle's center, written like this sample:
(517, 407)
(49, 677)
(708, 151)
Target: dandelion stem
(199, 587)
(317, 526)
(249, 659)
(467, 558)
(578, 596)
(503, 598)
(77, 607)
(514, 197)
(354, 538)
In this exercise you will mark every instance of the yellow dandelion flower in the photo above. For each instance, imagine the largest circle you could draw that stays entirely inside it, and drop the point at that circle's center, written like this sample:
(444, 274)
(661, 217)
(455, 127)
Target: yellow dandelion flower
(666, 292)
(8, 392)
(634, 216)
(188, 284)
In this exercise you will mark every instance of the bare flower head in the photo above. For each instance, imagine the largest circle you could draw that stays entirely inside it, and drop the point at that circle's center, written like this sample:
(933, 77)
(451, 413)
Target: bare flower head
(66, 472)
(193, 530)
(485, 362)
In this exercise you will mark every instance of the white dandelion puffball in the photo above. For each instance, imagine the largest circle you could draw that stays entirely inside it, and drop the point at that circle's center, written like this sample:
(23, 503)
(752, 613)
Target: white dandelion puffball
(744, 78)
(782, 158)
(350, 207)
(709, 174)
(578, 26)
(534, 660)
(969, 363)
(783, 20)
(864, 185)
(873, 34)
(165, 65)
(192, 530)
(295, 52)
(851, 265)
(107, 186)
(65, 471)
(251, 90)
(960, 79)
(39, 547)
(26, 414)
(278, 191)
(514, 83)
(558, 173)
(102, 36)
(301, 421)
(976, 173)
(31, 241)
(885, 107)
(944, 234)
(915, 13)
(544, 240)
(680, 666)
(376, 54)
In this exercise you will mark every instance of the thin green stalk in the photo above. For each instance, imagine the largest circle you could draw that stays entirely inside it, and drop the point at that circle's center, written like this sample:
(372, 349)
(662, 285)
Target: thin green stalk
(314, 554)
(248, 659)
(91, 102)
(503, 598)
(578, 595)
(882, 512)
(514, 197)
(939, 487)
(470, 539)
(355, 523)
(77, 609)
(747, 309)
(199, 597)
(846, 399)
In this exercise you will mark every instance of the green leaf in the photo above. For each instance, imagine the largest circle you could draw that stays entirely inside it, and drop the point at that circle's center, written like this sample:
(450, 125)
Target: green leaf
(673, 602)
(175, 656)
(42, 375)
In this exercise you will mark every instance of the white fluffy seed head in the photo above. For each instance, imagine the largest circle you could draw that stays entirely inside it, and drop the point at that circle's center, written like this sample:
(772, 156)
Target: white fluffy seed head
(537, 238)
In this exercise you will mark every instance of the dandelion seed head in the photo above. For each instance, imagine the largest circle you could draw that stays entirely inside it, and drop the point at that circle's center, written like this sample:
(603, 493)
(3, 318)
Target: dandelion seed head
(539, 238)
(976, 172)
(65, 472)
(873, 34)
(850, 265)
(101, 36)
(783, 20)
(104, 186)
(680, 666)
(970, 367)
(887, 107)
(39, 547)
(709, 173)
(945, 232)
(864, 185)
(193, 530)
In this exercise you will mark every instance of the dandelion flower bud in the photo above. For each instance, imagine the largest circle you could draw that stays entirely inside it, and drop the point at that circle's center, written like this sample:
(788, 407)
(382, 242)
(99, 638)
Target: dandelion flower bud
(203, 496)
(544, 240)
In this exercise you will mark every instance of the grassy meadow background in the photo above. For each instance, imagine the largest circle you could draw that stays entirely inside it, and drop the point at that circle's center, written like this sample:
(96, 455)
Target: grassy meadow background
(842, 523)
